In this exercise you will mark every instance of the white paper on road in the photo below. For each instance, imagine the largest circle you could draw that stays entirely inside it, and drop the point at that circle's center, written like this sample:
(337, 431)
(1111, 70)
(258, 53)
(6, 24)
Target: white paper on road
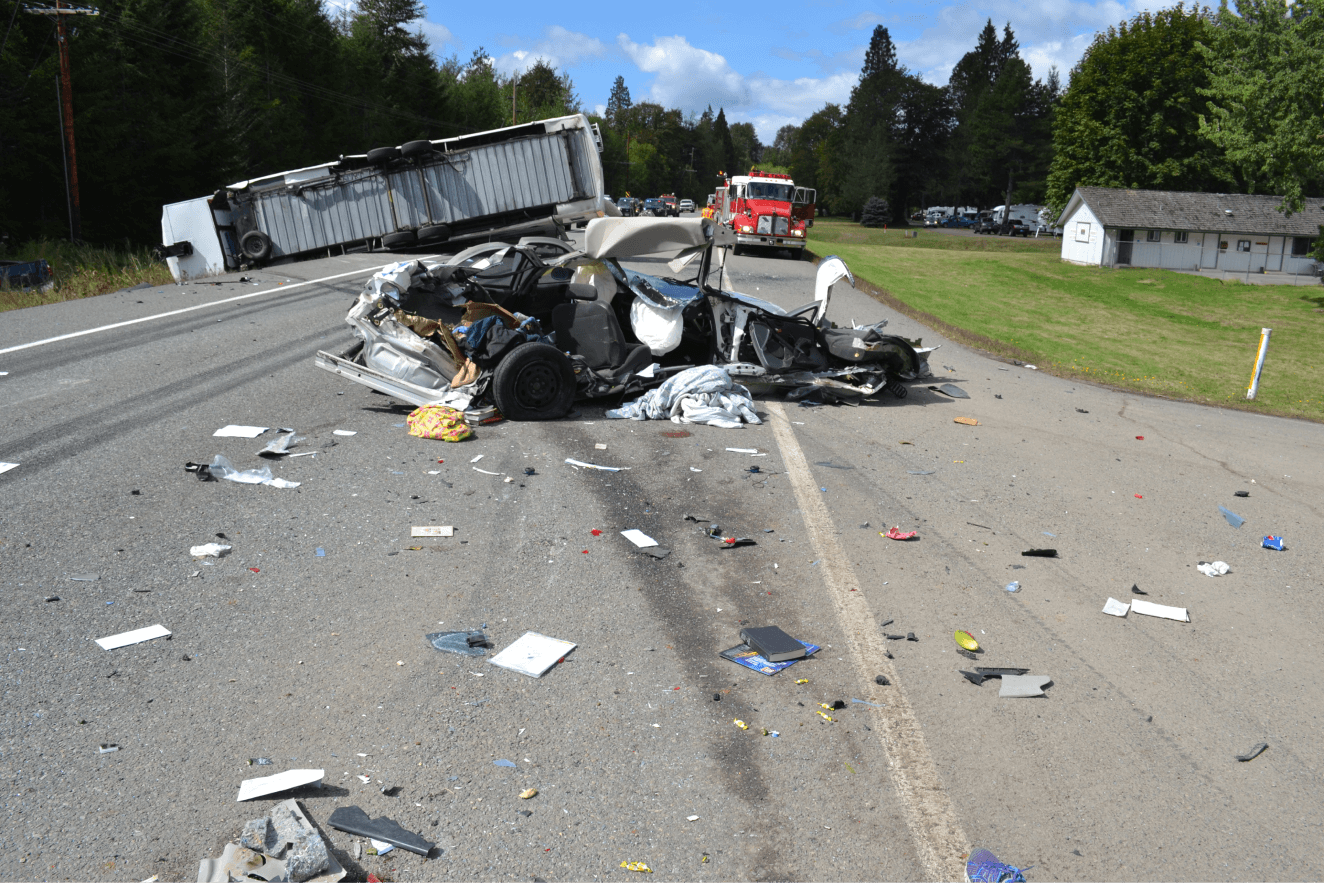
(344, 432)
(137, 636)
(639, 538)
(280, 482)
(250, 788)
(532, 654)
(234, 430)
(5, 467)
(1116, 608)
(439, 530)
(1148, 609)
(743, 450)
(210, 550)
(584, 465)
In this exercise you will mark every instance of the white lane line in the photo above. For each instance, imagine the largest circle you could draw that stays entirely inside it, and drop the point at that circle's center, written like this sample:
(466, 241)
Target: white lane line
(283, 288)
(939, 840)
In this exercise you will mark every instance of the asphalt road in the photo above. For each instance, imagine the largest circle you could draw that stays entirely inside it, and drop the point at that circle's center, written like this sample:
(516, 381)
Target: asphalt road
(1125, 770)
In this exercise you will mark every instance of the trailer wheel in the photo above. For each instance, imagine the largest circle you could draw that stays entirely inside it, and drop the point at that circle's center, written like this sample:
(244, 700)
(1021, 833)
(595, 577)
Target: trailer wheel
(379, 155)
(411, 149)
(256, 245)
(434, 231)
(395, 240)
(535, 381)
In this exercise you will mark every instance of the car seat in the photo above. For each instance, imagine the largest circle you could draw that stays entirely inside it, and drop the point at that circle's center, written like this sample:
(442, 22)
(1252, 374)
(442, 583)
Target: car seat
(587, 328)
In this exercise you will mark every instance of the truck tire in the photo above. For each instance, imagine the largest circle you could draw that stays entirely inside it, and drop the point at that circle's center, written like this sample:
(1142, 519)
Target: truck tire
(256, 245)
(411, 149)
(434, 231)
(395, 240)
(380, 155)
(535, 381)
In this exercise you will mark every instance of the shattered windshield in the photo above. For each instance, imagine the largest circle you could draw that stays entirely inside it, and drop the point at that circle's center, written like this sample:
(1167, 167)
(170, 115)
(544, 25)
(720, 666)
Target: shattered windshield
(664, 293)
(766, 190)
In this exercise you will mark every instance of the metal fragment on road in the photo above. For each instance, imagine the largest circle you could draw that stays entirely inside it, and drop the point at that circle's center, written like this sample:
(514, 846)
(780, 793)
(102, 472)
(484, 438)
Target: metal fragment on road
(1253, 752)
(353, 820)
(583, 465)
(210, 550)
(137, 636)
(251, 788)
(1023, 686)
(438, 530)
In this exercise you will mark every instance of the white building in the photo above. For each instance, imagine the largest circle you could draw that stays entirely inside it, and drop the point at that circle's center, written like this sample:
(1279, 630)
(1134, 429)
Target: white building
(1110, 227)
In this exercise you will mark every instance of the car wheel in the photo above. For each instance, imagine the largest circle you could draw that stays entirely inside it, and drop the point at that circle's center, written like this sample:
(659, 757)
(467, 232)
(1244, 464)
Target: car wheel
(535, 381)
(411, 149)
(396, 240)
(379, 155)
(256, 245)
(434, 231)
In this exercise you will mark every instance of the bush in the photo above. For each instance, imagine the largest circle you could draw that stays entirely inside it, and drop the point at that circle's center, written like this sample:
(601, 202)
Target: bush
(877, 213)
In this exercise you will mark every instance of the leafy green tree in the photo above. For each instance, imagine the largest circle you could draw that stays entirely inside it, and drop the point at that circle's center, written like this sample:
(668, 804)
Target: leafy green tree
(1131, 116)
(1266, 95)
(476, 101)
(749, 150)
(541, 92)
(395, 74)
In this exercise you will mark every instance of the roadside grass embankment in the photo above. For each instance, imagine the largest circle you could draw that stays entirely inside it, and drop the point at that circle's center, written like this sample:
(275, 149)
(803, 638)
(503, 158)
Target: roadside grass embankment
(81, 270)
(1152, 331)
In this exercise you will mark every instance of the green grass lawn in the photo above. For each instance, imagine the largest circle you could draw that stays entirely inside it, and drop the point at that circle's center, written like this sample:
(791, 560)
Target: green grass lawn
(1153, 331)
(82, 271)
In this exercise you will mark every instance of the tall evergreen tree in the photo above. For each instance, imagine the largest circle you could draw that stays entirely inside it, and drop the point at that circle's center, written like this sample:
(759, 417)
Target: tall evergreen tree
(619, 99)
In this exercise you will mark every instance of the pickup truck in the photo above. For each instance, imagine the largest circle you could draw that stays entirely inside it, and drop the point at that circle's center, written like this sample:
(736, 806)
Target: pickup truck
(687, 205)
(1017, 227)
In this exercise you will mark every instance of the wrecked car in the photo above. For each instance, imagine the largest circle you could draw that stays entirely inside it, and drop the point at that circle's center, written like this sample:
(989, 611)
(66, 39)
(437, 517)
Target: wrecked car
(530, 328)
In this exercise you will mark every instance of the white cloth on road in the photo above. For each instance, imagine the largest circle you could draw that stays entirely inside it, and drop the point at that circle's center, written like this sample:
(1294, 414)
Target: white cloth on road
(703, 394)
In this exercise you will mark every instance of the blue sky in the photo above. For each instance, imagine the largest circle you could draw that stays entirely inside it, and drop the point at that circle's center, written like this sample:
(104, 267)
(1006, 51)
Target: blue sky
(769, 63)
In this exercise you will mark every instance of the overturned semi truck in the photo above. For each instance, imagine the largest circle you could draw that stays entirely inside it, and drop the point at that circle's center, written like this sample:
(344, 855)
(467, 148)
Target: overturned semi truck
(530, 179)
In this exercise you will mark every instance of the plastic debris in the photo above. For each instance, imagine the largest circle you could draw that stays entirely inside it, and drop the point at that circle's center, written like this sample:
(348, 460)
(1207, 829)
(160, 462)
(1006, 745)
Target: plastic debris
(976, 679)
(220, 467)
(259, 761)
(353, 820)
(1117, 608)
(279, 446)
(895, 533)
(5, 467)
(465, 643)
(637, 866)
(802, 680)
(344, 432)
(910, 636)
(951, 390)
(1241, 493)
(880, 680)
(379, 847)
(1023, 686)
(966, 421)
(532, 654)
(827, 717)
(1149, 609)
(1253, 752)
(320, 552)
(1214, 568)
(691, 818)
(965, 640)
(137, 636)
(735, 542)
(210, 550)
(739, 723)
(743, 450)
(983, 866)
(1232, 518)
(250, 788)
(436, 530)
(921, 472)
(1275, 543)
(107, 748)
(639, 538)
(583, 465)
(862, 702)
(1039, 553)
(1136, 590)
(237, 431)
(528, 793)
(1140, 438)
(87, 577)
(1013, 586)
(504, 762)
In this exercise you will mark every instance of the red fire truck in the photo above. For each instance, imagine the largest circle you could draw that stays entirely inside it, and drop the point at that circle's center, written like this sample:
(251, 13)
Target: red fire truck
(764, 209)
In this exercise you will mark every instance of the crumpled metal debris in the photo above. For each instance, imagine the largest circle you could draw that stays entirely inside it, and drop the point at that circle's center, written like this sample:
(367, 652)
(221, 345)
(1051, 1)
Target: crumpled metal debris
(281, 846)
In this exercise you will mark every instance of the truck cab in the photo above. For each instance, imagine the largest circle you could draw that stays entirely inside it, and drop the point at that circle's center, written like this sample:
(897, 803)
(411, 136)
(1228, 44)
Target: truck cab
(765, 209)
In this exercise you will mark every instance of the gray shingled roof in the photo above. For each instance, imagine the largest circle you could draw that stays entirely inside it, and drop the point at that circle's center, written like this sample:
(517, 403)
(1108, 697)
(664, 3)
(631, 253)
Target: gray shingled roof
(1174, 210)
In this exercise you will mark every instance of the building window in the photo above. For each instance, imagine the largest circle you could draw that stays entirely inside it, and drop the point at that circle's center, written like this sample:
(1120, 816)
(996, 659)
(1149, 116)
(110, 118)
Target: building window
(1154, 236)
(1083, 231)
(1181, 237)
(1301, 246)
(1243, 245)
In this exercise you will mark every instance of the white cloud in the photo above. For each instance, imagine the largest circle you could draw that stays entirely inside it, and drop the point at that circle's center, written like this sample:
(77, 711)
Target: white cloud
(686, 76)
(438, 35)
(560, 48)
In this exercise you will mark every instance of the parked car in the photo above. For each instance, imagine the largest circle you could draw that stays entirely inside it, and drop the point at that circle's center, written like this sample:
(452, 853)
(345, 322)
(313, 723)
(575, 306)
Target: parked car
(629, 206)
(958, 222)
(26, 275)
(500, 325)
(986, 224)
(687, 205)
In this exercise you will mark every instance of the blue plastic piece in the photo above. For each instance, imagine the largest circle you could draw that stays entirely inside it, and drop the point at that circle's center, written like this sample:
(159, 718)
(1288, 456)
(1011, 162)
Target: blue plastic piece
(1232, 518)
(983, 867)
(503, 762)
(321, 553)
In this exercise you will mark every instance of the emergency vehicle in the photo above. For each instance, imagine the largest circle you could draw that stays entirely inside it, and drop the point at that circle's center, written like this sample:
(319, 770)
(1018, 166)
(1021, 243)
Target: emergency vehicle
(764, 209)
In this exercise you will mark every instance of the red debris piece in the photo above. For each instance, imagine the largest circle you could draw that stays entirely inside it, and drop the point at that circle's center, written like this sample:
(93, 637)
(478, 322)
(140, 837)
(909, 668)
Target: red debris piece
(1140, 438)
(1138, 497)
(372, 878)
(254, 569)
(596, 532)
(895, 533)
(586, 551)
(441, 461)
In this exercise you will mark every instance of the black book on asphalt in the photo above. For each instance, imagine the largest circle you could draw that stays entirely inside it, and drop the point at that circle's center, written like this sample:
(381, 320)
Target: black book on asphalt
(772, 643)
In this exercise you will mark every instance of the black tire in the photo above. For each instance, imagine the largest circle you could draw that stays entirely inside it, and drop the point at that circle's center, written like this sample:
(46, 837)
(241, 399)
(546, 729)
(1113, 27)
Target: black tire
(411, 149)
(256, 245)
(535, 381)
(396, 240)
(379, 155)
(434, 231)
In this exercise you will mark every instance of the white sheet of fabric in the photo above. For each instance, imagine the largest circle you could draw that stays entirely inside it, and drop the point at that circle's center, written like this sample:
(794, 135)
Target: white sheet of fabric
(703, 394)
(1218, 568)
(659, 328)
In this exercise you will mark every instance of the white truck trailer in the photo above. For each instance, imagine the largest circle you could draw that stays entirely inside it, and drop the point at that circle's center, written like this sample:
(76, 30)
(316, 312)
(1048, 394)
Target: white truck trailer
(533, 178)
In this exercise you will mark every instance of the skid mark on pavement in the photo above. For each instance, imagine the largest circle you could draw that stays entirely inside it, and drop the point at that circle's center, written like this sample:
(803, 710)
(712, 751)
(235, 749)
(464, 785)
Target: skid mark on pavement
(939, 840)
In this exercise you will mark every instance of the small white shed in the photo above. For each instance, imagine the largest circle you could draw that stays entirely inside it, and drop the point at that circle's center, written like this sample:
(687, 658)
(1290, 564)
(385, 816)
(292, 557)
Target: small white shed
(1167, 229)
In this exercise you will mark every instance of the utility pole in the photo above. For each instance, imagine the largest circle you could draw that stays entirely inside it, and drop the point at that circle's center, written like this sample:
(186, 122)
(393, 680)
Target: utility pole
(514, 87)
(1006, 206)
(59, 11)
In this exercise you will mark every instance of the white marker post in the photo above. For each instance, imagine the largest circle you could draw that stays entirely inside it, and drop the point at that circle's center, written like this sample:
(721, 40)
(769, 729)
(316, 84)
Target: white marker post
(1259, 362)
